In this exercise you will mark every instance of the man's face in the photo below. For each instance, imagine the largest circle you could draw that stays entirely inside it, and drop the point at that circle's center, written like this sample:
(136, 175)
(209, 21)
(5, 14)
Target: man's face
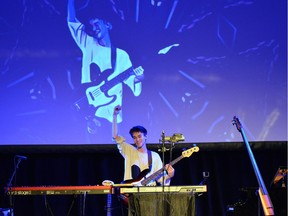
(139, 139)
(99, 28)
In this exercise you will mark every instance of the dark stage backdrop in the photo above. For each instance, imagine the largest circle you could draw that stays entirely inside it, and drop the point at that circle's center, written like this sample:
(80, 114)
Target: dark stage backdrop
(203, 61)
(230, 175)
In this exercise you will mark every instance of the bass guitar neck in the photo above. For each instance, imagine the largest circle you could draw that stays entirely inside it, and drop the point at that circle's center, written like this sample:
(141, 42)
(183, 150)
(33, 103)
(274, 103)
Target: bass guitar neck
(145, 181)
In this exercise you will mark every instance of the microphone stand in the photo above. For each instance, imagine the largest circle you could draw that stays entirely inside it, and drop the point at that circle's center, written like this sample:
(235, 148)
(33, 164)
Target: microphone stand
(8, 187)
(163, 150)
(171, 149)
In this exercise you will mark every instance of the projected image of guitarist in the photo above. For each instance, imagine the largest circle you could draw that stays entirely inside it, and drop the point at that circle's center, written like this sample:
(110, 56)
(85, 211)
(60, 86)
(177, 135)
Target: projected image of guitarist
(105, 69)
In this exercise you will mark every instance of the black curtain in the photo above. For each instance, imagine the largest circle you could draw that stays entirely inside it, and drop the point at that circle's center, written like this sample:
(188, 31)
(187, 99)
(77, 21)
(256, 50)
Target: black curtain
(231, 178)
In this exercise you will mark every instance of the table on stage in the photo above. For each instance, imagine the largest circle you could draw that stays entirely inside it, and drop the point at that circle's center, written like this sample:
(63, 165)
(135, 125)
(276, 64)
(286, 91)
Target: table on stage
(172, 200)
(162, 204)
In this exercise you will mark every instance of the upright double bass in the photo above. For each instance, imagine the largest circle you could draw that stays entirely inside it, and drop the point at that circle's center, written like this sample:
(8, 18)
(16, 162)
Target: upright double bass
(267, 205)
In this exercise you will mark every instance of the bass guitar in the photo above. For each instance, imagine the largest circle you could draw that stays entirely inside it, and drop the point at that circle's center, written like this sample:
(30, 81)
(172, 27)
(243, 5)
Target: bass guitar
(262, 191)
(142, 181)
(96, 94)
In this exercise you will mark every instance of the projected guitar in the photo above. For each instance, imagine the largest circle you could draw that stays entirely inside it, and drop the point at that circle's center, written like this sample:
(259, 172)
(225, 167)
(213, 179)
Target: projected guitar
(97, 96)
(142, 181)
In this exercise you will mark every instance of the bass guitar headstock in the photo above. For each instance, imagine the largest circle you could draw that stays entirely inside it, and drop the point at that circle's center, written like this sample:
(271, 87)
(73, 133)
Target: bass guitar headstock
(189, 152)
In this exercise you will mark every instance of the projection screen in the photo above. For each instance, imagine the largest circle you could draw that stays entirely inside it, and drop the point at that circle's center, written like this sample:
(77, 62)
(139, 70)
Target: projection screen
(203, 62)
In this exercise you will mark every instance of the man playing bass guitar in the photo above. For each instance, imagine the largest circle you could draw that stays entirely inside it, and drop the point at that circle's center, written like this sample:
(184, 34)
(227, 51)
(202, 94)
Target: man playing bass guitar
(139, 161)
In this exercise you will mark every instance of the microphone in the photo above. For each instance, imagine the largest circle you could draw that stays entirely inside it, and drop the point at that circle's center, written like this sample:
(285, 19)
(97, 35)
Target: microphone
(21, 157)
(163, 136)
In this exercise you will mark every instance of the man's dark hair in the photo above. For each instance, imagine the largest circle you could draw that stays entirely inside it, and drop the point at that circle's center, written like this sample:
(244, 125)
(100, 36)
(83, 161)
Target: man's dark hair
(138, 128)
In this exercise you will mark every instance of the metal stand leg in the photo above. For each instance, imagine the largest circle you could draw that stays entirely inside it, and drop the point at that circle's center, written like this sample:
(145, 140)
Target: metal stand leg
(83, 204)
(47, 207)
